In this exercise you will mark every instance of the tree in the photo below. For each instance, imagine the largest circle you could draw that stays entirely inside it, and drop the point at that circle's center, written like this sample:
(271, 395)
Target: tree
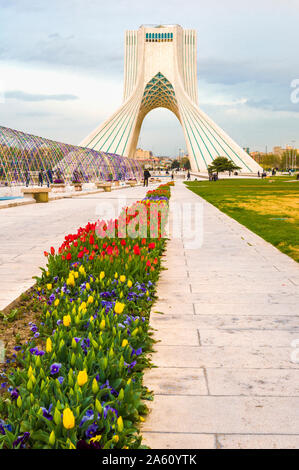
(221, 164)
(175, 164)
(185, 163)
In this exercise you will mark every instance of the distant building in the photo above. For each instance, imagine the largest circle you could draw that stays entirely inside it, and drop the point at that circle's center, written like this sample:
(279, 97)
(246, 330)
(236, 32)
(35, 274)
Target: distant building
(143, 155)
(280, 151)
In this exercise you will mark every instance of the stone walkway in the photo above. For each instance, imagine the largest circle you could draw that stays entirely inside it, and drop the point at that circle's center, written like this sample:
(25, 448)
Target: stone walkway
(27, 231)
(225, 377)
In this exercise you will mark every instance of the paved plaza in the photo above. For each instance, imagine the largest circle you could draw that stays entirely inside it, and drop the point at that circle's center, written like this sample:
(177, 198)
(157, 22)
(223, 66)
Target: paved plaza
(226, 317)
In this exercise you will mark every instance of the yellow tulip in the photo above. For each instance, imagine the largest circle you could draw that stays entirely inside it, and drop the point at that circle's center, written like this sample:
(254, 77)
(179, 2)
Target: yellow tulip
(71, 280)
(90, 299)
(49, 286)
(82, 378)
(56, 302)
(48, 345)
(115, 438)
(116, 275)
(130, 283)
(124, 343)
(102, 275)
(120, 424)
(52, 438)
(68, 419)
(102, 324)
(81, 270)
(122, 278)
(95, 387)
(67, 320)
(119, 307)
(87, 285)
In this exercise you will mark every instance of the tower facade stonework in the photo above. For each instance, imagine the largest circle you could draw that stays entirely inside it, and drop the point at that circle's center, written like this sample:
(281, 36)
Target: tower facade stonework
(160, 70)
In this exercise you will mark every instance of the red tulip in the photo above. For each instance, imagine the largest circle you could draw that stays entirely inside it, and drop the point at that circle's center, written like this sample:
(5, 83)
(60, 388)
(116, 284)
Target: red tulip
(136, 250)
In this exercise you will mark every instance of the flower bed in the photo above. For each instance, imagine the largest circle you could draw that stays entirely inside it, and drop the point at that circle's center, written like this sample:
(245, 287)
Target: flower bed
(78, 383)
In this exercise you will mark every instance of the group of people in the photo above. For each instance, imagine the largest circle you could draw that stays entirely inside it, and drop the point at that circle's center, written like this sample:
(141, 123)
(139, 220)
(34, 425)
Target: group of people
(48, 176)
(147, 175)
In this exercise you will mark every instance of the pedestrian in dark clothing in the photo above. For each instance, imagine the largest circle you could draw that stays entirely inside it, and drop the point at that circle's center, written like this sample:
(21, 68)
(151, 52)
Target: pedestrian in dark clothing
(188, 175)
(40, 178)
(27, 178)
(49, 177)
(146, 176)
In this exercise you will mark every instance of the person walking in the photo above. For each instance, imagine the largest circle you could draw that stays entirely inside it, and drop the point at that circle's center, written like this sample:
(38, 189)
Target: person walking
(40, 178)
(27, 178)
(188, 175)
(49, 177)
(146, 176)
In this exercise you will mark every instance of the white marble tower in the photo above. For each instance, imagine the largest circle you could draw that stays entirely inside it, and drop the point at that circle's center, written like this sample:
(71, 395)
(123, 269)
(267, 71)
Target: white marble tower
(160, 70)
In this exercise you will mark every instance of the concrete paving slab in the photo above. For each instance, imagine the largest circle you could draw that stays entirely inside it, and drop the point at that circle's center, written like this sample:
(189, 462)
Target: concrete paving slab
(179, 441)
(257, 441)
(224, 356)
(237, 415)
(247, 338)
(176, 381)
(253, 382)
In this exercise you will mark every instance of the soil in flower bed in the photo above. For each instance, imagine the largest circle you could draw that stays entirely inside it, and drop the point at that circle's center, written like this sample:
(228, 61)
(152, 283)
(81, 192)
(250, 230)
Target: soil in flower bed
(14, 325)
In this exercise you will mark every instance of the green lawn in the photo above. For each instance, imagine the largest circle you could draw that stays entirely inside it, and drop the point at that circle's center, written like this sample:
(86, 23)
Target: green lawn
(268, 207)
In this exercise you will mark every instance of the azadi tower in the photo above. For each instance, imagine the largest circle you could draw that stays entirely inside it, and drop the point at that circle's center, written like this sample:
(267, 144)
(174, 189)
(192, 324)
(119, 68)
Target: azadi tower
(161, 71)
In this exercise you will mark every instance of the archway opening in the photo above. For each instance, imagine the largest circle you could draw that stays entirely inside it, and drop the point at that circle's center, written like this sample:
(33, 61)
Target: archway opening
(162, 134)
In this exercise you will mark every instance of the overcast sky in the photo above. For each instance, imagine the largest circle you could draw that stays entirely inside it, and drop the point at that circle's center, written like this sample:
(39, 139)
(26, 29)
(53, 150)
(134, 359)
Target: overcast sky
(61, 71)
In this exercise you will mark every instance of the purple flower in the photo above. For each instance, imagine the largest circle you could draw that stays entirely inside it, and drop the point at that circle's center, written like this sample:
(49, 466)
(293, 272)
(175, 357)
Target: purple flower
(14, 394)
(36, 352)
(47, 413)
(21, 440)
(91, 430)
(87, 417)
(4, 426)
(133, 364)
(60, 379)
(55, 368)
(109, 408)
(33, 328)
(17, 348)
(36, 335)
